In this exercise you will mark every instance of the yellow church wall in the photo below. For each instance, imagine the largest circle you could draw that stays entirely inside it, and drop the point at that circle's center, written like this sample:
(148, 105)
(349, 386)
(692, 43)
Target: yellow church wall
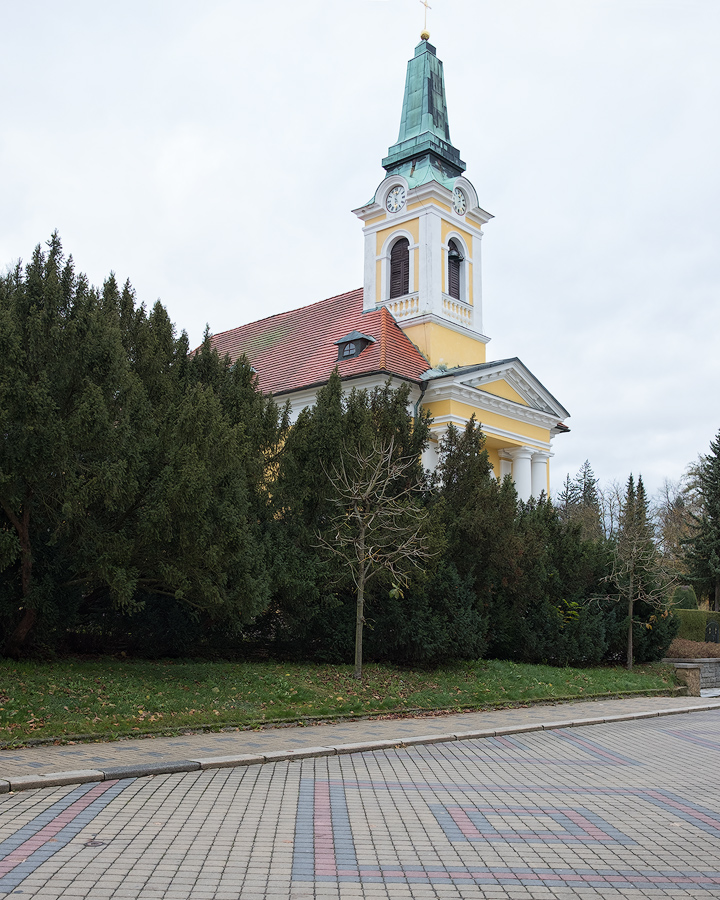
(442, 345)
(494, 459)
(413, 226)
(448, 227)
(376, 220)
(526, 433)
(503, 389)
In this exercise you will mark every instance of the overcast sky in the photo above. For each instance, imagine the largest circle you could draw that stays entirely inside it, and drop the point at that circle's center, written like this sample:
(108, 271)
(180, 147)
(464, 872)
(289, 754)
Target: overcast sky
(212, 153)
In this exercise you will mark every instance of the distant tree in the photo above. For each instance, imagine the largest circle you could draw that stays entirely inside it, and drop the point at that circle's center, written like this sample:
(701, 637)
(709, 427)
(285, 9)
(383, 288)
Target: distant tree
(672, 510)
(611, 497)
(380, 526)
(579, 502)
(703, 547)
(636, 572)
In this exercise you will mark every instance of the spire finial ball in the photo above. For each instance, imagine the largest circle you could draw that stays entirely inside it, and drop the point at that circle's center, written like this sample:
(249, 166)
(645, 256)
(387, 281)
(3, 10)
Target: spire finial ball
(425, 36)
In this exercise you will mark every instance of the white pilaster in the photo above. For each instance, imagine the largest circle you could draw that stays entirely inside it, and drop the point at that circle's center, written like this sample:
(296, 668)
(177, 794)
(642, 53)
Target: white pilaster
(433, 254)
(505, 464)
(370, 273)
(522, 471)
(477, 282)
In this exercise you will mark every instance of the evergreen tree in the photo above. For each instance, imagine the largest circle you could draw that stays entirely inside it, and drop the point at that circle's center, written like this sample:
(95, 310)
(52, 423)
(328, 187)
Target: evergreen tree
(128, 468)
(703, 548)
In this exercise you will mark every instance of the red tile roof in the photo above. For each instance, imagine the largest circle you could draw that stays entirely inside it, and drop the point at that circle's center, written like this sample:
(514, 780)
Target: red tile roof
(296, 349)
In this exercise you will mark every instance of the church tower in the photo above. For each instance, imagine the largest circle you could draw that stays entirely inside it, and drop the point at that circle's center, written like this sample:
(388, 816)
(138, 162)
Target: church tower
(423, 228)
(418, 317)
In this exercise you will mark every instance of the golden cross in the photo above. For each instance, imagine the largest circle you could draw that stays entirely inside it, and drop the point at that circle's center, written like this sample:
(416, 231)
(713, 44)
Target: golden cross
(427, 7)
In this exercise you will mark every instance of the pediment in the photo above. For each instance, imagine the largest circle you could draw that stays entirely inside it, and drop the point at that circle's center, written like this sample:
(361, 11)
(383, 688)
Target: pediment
(508, 380)
(511, 376)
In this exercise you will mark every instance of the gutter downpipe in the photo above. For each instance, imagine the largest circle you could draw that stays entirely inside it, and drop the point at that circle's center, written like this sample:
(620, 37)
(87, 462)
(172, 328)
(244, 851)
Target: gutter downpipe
(423, 388)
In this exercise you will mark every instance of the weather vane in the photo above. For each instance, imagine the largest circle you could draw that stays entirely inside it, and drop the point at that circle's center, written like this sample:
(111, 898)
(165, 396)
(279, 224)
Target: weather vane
(425, 34)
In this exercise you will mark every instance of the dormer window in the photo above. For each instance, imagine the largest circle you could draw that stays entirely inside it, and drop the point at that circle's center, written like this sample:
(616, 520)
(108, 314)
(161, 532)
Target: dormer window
(353, 344)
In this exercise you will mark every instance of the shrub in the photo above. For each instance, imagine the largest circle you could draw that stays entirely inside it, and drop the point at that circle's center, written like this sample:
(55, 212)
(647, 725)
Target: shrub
(685, 597)
(693, 623)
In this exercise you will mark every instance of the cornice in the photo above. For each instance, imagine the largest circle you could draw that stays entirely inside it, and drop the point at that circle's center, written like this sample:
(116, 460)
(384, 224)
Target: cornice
(440, 423)
(464, 393)
(446, 323)
(473, 220)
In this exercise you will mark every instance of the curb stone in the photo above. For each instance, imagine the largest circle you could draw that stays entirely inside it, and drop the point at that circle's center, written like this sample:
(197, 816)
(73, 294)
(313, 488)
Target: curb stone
(57, 779)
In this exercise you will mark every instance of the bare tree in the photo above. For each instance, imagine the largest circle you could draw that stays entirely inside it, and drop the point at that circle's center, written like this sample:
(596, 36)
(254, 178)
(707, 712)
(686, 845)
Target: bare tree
(611, 499)
(380, 526)
(637, 571)
(675, 508)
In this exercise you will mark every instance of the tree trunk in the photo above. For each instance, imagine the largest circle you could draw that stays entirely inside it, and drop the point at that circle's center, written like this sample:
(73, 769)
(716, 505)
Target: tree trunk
(16, 641)
(360, 612)
(630, 627)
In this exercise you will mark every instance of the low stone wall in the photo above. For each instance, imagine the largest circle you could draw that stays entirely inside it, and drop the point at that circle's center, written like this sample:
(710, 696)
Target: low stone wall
(697, 673)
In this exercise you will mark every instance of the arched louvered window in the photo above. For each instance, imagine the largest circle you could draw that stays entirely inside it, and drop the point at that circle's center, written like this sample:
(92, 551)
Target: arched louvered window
(400, 268)
(455, 259)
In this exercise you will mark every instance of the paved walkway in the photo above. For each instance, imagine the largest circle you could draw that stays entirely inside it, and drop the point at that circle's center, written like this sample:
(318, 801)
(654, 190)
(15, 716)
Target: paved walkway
(624, 809)
(80, 763)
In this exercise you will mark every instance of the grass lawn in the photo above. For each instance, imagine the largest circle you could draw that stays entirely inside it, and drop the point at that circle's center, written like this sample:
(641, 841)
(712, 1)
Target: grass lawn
(108, 698)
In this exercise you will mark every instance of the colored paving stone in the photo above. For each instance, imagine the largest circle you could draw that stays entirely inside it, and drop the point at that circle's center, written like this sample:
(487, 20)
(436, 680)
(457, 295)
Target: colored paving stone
(622, 809)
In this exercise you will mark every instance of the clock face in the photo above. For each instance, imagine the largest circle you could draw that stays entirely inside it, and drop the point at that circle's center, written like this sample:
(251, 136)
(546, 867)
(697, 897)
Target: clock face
(395, 199)
(459, 202)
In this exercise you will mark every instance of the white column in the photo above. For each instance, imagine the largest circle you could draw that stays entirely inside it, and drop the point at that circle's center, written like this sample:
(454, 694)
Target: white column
(522, 471)
(505, 464)
(430, 456)
(539, 473)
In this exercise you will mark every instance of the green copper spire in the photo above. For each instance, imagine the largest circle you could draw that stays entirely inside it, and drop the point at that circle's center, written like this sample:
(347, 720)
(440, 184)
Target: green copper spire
(424, 139)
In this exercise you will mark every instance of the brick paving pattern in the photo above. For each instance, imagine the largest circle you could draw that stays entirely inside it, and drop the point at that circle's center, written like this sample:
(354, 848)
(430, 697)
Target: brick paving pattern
(616, 810)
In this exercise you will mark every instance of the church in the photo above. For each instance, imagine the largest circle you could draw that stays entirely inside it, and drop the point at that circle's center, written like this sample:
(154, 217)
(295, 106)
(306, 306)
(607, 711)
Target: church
(418, 317)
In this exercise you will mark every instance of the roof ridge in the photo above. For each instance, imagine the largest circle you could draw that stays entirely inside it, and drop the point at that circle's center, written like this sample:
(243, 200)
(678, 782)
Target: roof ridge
(286, 312)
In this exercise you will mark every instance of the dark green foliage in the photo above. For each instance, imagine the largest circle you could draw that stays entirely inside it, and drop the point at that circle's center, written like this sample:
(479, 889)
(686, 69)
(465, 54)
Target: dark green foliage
(153, 501)
(129, 469)
(436, 622)
(703, 548)
(312, 613)
(531, 573)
